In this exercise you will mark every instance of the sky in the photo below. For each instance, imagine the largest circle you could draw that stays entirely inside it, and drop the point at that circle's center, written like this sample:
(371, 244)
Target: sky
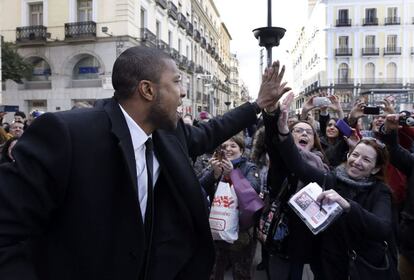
(242, 16)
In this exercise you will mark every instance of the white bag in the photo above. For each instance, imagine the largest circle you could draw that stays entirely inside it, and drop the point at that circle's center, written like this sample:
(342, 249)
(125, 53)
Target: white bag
(224, 214)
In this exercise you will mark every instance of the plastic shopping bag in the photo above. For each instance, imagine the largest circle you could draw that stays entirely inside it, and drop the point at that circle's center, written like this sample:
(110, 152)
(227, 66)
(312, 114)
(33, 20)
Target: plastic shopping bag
(224, 214)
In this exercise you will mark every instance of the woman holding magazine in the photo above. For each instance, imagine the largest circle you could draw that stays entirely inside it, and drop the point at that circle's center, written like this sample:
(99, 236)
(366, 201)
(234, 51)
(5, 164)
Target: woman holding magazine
(296, 246)
(358, 187)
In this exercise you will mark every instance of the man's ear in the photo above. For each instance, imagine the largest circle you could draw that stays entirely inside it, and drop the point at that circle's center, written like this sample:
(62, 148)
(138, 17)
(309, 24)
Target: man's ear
(146, 90)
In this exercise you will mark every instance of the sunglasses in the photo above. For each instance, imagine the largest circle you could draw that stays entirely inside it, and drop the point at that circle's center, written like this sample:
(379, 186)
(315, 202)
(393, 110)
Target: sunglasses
(300, 130)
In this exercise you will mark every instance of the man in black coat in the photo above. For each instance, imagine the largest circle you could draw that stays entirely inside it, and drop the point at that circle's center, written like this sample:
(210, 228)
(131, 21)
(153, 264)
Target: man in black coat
(73, 205)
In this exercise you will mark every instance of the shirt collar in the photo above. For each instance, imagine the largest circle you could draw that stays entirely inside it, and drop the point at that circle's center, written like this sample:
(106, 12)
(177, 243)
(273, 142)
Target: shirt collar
(138, 136)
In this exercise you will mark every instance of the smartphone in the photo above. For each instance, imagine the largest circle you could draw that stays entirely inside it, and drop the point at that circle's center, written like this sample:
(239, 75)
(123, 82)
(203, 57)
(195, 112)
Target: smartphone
(9, 108)
(344, 128)
(219, 154)
(371, 110)
(321, 101)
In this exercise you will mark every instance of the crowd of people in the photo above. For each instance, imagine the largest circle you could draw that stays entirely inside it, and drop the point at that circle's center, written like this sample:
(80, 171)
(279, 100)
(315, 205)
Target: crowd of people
(123, 190)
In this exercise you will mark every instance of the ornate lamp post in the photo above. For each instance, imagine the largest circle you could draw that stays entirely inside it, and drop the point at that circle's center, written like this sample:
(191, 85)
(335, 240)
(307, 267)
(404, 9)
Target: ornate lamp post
(269, 36)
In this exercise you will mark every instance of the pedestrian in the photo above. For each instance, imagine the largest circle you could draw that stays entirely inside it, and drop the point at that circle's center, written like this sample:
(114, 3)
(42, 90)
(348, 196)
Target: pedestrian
(88, 198)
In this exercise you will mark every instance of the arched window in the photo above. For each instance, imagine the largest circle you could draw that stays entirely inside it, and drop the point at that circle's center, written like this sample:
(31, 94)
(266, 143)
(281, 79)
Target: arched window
(343, 73)
(87, 68)
(392, 72)
(370, 72)
(41, 69)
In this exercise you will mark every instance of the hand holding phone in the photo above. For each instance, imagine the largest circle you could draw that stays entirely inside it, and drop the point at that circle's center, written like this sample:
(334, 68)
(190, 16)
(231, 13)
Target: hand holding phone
(344, 128)
(321, 101)
(371, 110)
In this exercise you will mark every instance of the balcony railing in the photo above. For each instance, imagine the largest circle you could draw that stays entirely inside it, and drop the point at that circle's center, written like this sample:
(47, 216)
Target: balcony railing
(203, 42)
(148, 38)
(370, 21)
(370, 51)
(190, 67)
(34, 33)
(343, 52)
(343, 22)
(163, 46)
(190, 29)
(197, 36)
(199, 69)
(209, 49)
(174, 54)
(183, 64)
(392, 21)
(80, 30)
(373, 81)
(182, 21)
(162, 3)
(392, 51)
(172, 10)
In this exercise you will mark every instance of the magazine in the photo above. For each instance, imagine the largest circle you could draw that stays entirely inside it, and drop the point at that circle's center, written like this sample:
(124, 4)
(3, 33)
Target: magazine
(317, 218)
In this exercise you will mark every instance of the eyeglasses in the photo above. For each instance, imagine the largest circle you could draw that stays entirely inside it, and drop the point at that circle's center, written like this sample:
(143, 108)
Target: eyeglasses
(379, 143)
(300, 130)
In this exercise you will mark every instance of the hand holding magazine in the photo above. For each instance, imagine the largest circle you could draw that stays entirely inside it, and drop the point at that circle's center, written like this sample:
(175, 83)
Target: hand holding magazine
(315, 216)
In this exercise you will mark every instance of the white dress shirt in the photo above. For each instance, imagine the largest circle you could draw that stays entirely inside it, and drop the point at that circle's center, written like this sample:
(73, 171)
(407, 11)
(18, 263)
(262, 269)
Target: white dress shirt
(139, 137)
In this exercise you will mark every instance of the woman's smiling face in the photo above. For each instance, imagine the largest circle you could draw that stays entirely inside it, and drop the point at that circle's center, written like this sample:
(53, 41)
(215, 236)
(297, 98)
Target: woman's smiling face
(331, 130)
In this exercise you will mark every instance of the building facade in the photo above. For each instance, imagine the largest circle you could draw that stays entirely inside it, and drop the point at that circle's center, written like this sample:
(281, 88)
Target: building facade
(353, 48)
(73, 45)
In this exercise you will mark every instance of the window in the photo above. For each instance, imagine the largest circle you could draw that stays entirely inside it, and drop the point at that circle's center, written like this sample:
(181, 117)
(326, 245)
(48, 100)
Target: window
(343, 15)
(343, 42)
(143, 17)
(371, 15)
(392, 42)
(87, 68)
(370, 42)
(170, 38)
(343, 72)
(179, 46)
(36, 14)
(392, 72)
(392, 12)
(84, 10)
(158, 29)
(370, 72)
(187, 51)
(41, 69)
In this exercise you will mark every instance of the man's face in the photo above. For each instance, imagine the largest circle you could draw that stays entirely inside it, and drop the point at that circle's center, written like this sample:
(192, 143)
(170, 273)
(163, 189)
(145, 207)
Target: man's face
(18, 119)
(16, 129)
(168, 97)
(377, 122)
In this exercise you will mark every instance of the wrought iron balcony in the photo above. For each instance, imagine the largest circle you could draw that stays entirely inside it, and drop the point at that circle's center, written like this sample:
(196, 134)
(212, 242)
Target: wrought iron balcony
(80, 30)
(162, 3)
(182, 21)
(197, 36)
(209, 49)
(370, 21)
(183, 64)
(203, 42)
(31, 34)
(174, 54)
(172, 10)
(392, 21)
(370, 51)
(190, 29)
(392, 51)
(343, 52)
(343, 22)
(148, 38)
(190, 67)
(199, 69)
(163, 46)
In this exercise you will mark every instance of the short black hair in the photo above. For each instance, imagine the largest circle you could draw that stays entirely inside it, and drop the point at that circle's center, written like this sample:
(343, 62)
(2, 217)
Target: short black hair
(20, 114)
(134, 65)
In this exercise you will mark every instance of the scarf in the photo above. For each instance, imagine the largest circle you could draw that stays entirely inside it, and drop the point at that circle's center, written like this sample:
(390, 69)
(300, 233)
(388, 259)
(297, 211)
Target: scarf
(342, 175)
